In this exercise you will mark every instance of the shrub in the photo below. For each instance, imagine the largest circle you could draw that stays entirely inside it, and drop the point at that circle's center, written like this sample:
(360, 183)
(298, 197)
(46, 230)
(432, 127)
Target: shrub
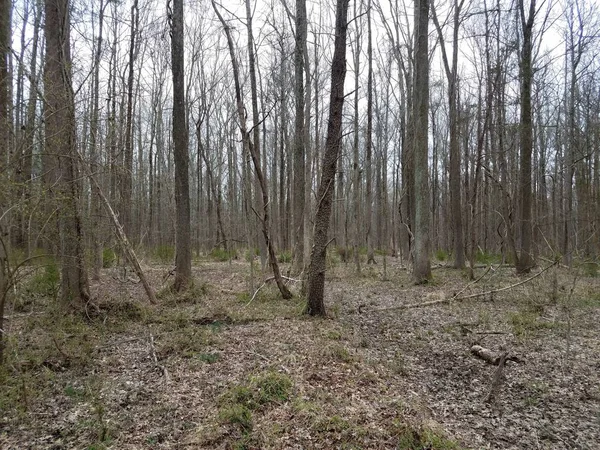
(219, 254)
(109, 258)
(441, 255)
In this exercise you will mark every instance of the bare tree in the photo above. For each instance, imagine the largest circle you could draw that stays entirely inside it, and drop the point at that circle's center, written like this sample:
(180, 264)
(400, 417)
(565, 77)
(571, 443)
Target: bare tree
(451, 70)
(299, 135)
(249, 144)
(316, 271)
(525, 260)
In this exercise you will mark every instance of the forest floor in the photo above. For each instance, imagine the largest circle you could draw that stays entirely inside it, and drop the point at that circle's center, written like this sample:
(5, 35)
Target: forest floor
(218, 369)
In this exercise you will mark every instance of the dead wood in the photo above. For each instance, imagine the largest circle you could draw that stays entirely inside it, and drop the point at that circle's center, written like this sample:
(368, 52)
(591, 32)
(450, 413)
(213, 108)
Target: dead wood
(466, 297)
(490, 357)
(122, 237)
(155, 359)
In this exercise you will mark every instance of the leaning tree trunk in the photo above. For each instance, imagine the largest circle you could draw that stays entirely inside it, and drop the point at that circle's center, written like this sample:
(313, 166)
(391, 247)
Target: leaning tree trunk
(316, 270)
(183, 249)
(248, 144)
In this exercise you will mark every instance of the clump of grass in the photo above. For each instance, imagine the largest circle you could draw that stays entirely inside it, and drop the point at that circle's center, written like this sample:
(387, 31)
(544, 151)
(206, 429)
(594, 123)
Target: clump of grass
(186, 342)
(417, 438)
(209, 358)
(194, 294)
(441, 255)
(525, 322)
(109, 258)
(285, 257)
(45, 282)
(338, 352)
(237, 414)
(222, 255)
(238, 404)
(271, 387)
(487, 258)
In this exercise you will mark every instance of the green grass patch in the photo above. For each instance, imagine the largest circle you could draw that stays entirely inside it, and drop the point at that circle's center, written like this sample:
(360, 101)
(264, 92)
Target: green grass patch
(221, 255)
(441, 255)
(109, 258)
(418, 438)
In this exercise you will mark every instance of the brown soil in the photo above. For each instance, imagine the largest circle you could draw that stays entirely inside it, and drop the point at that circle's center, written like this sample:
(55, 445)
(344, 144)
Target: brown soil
(125, 375)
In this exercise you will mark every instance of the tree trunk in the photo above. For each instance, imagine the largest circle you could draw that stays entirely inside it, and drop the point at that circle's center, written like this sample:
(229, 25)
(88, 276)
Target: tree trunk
(299, 136)
(369, 143)
(421, 262)
(183, 250)
(525, 260)
(59, 114)
(316, 271)
(248, 144)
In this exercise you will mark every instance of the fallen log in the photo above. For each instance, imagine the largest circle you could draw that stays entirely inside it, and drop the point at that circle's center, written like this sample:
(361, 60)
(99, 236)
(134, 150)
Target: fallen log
(490, 357)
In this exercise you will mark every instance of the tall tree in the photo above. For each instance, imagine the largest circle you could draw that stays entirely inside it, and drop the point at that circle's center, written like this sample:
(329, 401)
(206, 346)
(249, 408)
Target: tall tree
(183, 250)
(421, 261)
(249, 146)
(525, 260)
(4, 154)
(299, 135)
(369, 141)
(316, 272)
(451, 69)
(60, 143)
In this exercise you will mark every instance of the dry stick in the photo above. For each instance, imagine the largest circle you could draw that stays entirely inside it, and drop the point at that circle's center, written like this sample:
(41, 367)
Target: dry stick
(480, 294)
(154, 357)
(265, 283)
(129, 252)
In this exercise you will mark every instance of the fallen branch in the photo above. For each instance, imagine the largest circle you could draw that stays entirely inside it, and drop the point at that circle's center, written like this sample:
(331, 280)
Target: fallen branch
(466, 297)
(265, 283)
(490, 357)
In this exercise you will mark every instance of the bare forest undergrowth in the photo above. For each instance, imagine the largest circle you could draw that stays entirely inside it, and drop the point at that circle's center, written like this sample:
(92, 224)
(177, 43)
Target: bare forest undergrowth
(216, 368)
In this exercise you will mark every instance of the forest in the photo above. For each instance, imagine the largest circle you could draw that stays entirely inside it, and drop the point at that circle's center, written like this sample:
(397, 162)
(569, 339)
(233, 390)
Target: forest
(277, 224)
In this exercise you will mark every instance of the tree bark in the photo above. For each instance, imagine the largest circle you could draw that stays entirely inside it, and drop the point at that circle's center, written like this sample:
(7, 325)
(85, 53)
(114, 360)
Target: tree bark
(525, 260)
(183, 250)
(59, 114)
(299, 136)
(316, 271)
(421, 262)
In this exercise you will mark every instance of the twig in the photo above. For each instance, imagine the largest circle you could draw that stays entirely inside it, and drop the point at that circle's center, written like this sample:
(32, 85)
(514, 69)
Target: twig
(154, 357)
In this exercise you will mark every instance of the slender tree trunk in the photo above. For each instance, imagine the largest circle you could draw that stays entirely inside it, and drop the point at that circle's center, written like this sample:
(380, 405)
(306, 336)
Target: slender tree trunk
(525, 261)
(285, 292)
(94, 152)
(316, 271)
(369, 144)
(5, 34)
(183, 250)
(299, 136)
